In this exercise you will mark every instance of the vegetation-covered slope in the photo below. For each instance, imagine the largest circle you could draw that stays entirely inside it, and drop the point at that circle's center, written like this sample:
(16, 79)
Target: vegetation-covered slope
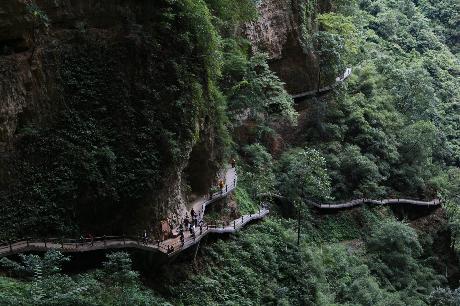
(392, 130)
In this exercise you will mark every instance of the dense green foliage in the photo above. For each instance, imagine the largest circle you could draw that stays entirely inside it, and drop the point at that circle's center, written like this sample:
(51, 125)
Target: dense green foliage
(394, 128)
(391, 130)
(43, 283)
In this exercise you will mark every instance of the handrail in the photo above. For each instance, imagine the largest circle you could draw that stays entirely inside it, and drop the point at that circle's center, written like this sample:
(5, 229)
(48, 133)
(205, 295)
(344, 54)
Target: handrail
(110, 242)
(346, 74)
(357, 202)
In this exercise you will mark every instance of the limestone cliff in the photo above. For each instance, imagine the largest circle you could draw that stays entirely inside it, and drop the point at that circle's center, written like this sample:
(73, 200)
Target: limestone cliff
(100, 111)
(283, 30)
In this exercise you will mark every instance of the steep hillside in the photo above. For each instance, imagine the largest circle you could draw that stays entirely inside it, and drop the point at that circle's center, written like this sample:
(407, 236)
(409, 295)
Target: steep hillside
(115, 116)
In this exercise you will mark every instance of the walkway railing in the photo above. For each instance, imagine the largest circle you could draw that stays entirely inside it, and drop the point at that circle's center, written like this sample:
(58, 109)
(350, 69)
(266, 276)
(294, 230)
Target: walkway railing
(315, 92)
(232, 227)
(357, 202)
(119, 242)
(224, 192)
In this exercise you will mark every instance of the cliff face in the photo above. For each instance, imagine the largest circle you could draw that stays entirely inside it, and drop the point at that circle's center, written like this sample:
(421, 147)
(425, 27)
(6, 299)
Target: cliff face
(100, 111)
(283, 30)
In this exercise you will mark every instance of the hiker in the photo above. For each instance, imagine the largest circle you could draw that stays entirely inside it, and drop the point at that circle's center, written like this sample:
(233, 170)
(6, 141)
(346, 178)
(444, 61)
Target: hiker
(186, 221)
(201, 227)
(181, 234)
(192, 213)
(233, 163)
(144, 238)
(190, 228)
(221, 185)
(91, 239)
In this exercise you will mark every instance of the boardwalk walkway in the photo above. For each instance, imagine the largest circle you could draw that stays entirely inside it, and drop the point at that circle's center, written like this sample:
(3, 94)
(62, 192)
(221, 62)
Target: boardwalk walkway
(169, 247)
(317, 92)
(352, 203)
(118, 242)
(357, 202)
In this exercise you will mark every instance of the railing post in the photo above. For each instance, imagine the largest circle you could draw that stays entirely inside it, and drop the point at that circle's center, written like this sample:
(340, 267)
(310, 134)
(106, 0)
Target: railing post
(45, 242)
(234, 224)
(124, 240)
(242, 219)
(11, 246)
(259, 210)
(62, 243)
(226, 188)
(105, 243)
(27, 241)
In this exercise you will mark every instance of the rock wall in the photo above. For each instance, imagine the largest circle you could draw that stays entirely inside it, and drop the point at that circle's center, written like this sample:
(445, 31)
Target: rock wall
(278, 32)
(108, 59)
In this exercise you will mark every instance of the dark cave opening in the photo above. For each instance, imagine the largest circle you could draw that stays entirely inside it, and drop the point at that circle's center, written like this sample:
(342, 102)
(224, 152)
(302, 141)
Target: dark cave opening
(200, 171)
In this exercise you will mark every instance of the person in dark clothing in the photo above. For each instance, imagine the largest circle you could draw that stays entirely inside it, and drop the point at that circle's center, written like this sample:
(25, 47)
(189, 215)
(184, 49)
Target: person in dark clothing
(192, 213)
(91, 239)
(186, 221)
(181, 235)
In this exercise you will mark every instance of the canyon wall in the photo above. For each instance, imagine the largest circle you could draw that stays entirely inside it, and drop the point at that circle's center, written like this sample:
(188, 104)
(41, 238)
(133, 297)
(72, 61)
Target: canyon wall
(100, 111)
(283, 30)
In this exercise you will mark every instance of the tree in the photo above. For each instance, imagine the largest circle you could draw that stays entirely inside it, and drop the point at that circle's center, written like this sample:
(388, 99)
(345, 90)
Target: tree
(259, 174)
(445, 297)
(302, 178)
(254, 91)
(394, 252)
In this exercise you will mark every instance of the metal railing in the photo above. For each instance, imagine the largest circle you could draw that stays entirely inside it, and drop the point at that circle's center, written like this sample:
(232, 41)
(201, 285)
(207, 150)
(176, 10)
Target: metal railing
(112, 242)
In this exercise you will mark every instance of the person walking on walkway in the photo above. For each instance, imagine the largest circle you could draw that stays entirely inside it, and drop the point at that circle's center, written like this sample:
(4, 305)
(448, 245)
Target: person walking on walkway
(221, 185)
(91, 239)
(181, 235)
(186, 221)
(233, 162)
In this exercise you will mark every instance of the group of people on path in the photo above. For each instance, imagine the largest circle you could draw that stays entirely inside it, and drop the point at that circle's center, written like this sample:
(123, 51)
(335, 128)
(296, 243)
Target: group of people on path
(190, 225)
